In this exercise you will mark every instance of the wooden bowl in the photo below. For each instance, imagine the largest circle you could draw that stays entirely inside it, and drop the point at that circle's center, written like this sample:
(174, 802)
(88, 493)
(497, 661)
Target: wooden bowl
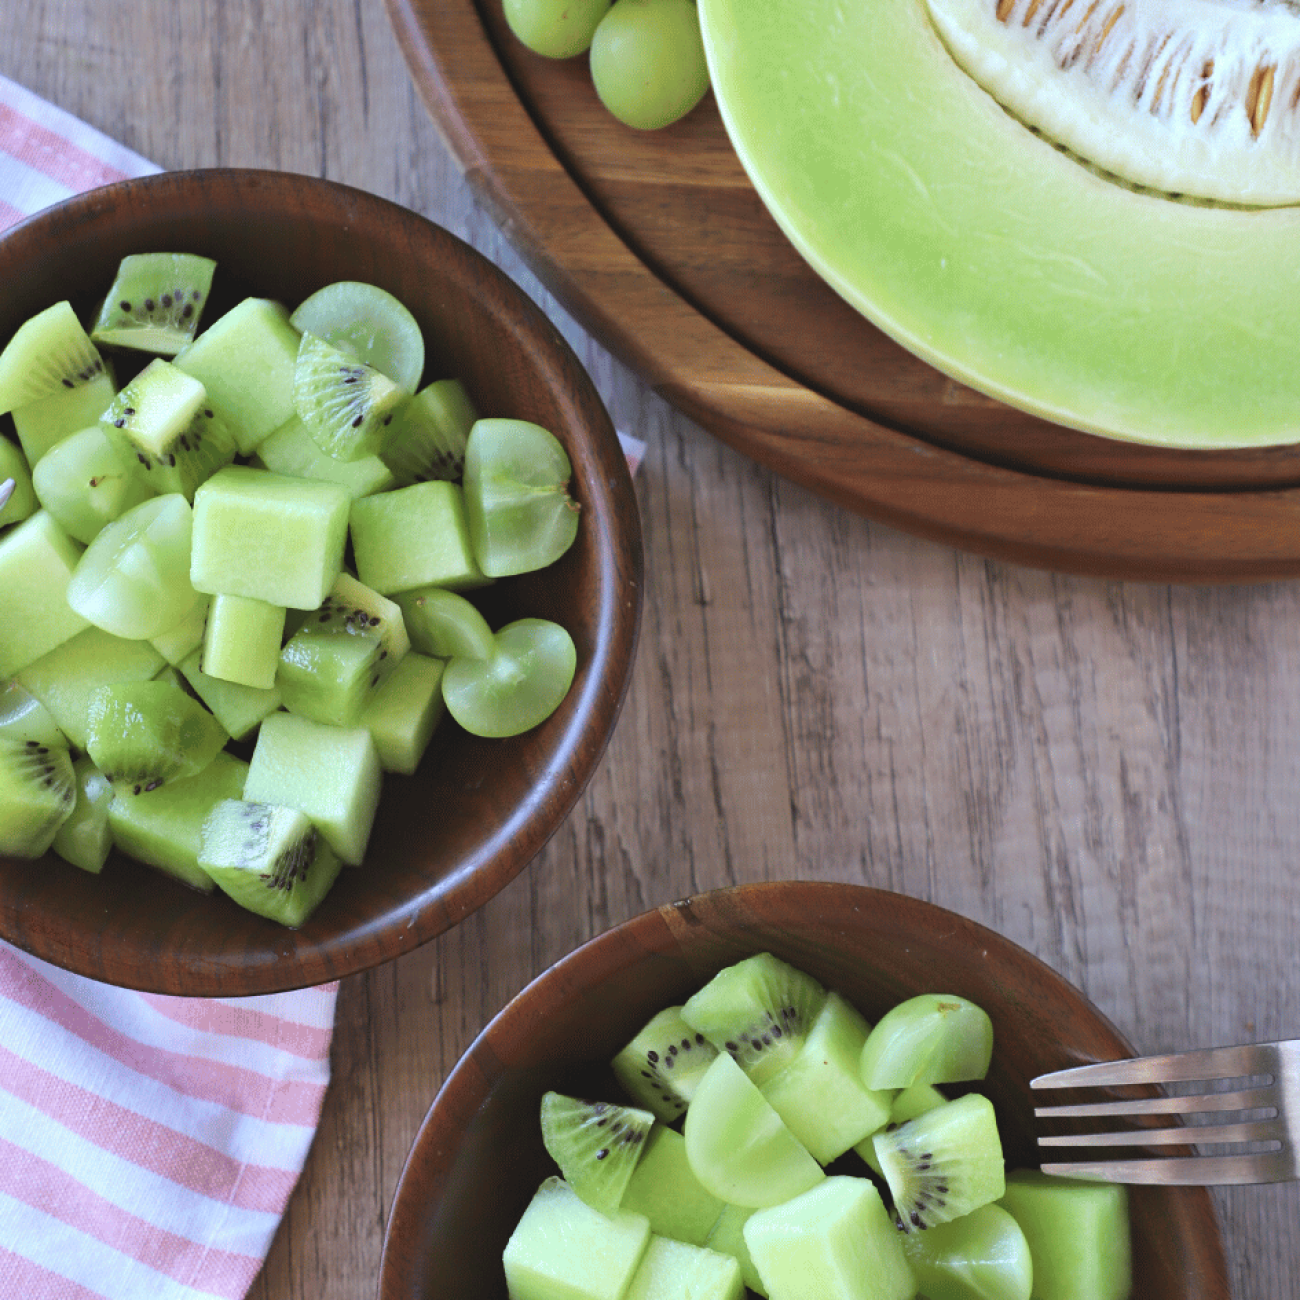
(478, 1156)
(477, 811)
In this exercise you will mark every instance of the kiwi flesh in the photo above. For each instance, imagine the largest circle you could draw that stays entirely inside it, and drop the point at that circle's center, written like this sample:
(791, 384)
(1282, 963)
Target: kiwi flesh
(155, 302)
(759, 1011)
(345, 405)
(268, 858)
(596, 1144)
(142, 735)
(430, 432)
(662, 1066)
(48, 354)
(37, 795)
(163, 421)
(944, 1163)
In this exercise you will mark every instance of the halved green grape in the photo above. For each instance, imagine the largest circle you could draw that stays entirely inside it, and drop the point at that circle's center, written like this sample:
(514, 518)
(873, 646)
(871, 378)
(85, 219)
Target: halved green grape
(368, 323)
(520, 514)
(558, 29)
(981, 1256)
(931, 1038)
(134, 579)
(647, 61)
(529, 672)
(444, 624)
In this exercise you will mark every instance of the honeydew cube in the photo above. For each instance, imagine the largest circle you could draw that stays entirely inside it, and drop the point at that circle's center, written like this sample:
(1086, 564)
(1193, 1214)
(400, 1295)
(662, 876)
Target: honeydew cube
(65, 679)
(665, 1189)
(268, 536)
(241, 642)
(330, 773)
(562, 1249)
(672, 1269)
(164, 828)
(835, 1242)
(45, 422)
(37, 559)
(404, 712)
(1078, 1234)
(292, 450)
(245, 360)
(415, 536)
(820, 1094)
(240, 709)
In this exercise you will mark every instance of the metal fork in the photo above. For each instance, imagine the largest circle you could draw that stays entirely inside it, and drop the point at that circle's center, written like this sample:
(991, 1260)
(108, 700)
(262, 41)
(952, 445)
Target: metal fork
(1261, 1098)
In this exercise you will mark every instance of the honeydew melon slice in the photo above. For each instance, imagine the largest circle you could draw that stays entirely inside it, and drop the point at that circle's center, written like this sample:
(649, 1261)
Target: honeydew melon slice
(993, 255)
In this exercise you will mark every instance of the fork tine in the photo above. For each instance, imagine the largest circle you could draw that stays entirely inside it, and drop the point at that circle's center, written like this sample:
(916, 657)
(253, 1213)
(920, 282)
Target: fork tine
(1186, 1171)
(1268, 1130)
(1192, 1104)
(1179, 1067)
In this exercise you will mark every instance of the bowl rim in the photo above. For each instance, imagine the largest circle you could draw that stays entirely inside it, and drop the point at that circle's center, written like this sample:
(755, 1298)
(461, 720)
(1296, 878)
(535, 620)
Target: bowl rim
(592, 708)
(659, 932)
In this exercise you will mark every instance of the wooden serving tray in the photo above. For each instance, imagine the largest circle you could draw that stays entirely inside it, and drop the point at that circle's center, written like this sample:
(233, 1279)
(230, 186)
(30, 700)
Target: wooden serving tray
(660, 246)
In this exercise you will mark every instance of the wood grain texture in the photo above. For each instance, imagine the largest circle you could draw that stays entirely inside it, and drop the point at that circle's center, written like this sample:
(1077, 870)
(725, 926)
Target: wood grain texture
(663, 250)
(1105, 772)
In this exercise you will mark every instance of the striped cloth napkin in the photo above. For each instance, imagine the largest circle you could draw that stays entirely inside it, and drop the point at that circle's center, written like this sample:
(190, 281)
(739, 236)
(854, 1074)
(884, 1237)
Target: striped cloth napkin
(148, 1145)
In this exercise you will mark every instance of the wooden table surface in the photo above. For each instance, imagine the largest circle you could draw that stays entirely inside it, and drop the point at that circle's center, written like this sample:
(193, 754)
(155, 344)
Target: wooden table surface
(1107, 773)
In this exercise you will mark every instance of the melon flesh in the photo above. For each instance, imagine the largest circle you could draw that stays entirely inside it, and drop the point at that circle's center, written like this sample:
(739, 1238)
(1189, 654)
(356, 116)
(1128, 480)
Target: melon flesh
(993, 255)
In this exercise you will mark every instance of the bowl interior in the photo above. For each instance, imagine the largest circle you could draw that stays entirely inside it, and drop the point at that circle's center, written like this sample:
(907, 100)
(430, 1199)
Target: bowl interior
(479, 1157)
(476, 812)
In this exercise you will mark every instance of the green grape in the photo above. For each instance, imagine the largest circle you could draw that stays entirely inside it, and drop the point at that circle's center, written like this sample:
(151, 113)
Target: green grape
(517, 504)
(520, 685)
(647, 61)
(559, 29)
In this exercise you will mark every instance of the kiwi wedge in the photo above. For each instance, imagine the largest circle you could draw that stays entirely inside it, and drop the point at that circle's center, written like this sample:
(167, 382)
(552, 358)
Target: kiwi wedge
(155, 302)
(430, 432)
(37, 795)
(944, 1163)
(662, 1066)
(163, 421)
(268, 858)
(759, 1011)
(368, 324)
(142, 735)
(596, 1144)
(345, 405)
(50, 353)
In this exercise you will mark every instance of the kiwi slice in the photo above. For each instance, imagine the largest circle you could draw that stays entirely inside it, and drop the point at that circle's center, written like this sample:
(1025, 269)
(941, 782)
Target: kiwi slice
(369, 324)
(50, 353)
(346, 405)
(155, 302)
(759, 1011)
(662, 1066)
(23, 717)
(142, 735)
(163, 421)
(596, 1144)
(268, 858)
(930, 1038)
(37, 794)
(430, 432)
(944, 1163)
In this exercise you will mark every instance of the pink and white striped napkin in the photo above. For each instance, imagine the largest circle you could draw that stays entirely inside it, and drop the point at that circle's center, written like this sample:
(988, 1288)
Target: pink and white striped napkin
(148, 1145)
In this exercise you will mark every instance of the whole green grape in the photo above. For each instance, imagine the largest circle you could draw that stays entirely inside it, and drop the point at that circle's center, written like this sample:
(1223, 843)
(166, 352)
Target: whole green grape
(559, 29)
(647, 61)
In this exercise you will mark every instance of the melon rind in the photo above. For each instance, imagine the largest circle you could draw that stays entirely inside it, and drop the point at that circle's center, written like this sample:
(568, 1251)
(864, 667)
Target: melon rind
(992, 255)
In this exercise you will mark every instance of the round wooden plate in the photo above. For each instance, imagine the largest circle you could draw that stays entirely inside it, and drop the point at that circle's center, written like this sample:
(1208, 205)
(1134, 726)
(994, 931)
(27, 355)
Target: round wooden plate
(660, 246)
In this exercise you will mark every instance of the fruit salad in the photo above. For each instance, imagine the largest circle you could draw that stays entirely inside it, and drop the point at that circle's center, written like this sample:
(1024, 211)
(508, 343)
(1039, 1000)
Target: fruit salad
(770, 1141)
(240, 587)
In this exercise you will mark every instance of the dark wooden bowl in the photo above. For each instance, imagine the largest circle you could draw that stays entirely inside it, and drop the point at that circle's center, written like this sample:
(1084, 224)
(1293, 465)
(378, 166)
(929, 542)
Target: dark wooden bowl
(478, 1156)
(476, 812)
